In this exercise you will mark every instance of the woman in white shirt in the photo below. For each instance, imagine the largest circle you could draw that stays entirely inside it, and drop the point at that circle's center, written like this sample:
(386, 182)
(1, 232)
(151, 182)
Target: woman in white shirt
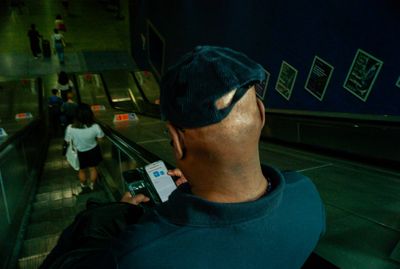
(84, 133)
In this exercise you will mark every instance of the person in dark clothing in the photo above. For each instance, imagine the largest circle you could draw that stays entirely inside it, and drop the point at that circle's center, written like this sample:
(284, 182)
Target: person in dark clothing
(69, 109)
(64, 84)
(232, 212)
(65, 5)
(34, 40)
(54, 105)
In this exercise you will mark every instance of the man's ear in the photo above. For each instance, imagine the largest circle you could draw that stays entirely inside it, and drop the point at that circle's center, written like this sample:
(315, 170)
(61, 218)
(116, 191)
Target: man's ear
(261, 109)
(177, 141)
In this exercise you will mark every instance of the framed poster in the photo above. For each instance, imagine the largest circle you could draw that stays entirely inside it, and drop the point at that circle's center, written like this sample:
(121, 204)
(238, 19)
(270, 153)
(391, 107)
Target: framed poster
(286, 78)
(318, 78)
(261, 88)
(362, 74)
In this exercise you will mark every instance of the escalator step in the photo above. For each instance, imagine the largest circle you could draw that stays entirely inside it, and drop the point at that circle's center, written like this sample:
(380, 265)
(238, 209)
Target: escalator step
(55, 195)
(66, 173)
(39, 245)
(32, 262)
(61, 177)
(52, 214)
(47, 228)
(56, 164)
(55, 204)
(73, 186)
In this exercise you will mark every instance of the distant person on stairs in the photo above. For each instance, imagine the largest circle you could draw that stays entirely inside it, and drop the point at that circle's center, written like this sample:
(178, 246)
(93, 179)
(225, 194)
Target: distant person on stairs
(58, 45)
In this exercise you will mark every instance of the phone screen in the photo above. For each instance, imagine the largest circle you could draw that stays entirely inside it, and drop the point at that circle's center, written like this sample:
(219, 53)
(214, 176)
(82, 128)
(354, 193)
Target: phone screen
(162, 182)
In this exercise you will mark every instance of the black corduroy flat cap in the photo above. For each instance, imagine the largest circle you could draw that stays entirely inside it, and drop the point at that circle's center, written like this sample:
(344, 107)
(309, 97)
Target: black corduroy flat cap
(190, 88)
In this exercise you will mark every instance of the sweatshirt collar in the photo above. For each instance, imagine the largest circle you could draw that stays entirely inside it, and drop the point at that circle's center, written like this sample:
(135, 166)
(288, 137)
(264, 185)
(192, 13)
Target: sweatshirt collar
(185, 208)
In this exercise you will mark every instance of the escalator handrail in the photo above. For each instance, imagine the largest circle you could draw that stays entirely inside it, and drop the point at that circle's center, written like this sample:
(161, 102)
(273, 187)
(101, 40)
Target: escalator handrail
(107, 91)
(76, 88)
(114, 106)
(129, 146)
(34, 122)
(351, 118)
(139, 88)
(19, 134)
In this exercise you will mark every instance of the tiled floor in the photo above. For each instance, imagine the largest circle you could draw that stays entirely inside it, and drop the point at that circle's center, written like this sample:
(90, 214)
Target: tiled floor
(96, 39)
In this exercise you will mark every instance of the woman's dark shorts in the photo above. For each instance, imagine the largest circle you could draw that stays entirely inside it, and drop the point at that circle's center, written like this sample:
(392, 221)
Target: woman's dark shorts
(90, 158)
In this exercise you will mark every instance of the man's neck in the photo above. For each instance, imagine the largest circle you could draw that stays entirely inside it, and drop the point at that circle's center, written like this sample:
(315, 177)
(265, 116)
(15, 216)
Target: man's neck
(229, 185)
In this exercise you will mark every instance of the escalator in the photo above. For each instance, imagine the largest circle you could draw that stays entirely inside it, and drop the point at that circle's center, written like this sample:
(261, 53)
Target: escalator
(58, 196)
(58, 199)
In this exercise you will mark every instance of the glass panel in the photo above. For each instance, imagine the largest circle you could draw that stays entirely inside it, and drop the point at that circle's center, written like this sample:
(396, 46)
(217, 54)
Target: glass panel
(18, 97)
(118, 83)
(92, 89)
(115, 162)
(19, 165)
(149, 85)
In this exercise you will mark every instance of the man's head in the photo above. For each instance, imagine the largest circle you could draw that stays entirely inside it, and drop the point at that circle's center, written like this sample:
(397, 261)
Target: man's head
(70, 95)
(191, 87)
(209, 100)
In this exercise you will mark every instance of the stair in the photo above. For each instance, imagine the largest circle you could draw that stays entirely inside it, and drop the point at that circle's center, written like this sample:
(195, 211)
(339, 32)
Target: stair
(58, 200)
(33, 261)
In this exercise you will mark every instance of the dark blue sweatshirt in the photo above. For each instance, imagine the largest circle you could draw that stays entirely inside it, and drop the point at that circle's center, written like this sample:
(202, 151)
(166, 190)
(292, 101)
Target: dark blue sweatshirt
(279, 230)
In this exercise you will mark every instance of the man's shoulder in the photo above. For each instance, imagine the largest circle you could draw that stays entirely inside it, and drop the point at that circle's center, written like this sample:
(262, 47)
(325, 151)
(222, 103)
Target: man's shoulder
(292, 176)
(297, 180)
(301, 195)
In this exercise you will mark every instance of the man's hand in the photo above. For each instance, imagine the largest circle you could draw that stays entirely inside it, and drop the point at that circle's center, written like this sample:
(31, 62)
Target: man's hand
(134, 200)
(177, 173)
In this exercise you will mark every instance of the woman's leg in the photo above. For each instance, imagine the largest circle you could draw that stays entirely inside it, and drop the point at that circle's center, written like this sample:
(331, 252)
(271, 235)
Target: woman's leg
(82, 177)
(93, 176)
(60, 52)
(61, 55)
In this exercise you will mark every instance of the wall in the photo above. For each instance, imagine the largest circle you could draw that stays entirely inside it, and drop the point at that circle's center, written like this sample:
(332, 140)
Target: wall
(294, 31)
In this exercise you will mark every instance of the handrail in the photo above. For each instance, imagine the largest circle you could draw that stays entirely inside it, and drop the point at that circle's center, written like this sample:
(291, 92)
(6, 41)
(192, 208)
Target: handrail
(18, 134)
(76, 87)
(140, 87)
(107, 91)
(147, 110)
(387, 120)
(129, 147)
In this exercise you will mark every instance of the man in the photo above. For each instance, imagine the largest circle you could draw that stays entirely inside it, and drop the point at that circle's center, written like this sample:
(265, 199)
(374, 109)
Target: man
(69, 109)
(232, 212)
(54, 106)
(34, 41)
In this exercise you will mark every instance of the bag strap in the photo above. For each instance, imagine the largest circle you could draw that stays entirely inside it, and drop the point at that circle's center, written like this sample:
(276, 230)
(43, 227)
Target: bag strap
(72, 145)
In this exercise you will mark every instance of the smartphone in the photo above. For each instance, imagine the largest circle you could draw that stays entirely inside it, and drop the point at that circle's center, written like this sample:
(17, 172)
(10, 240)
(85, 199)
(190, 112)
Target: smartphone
(135, 182)
(163, 184)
